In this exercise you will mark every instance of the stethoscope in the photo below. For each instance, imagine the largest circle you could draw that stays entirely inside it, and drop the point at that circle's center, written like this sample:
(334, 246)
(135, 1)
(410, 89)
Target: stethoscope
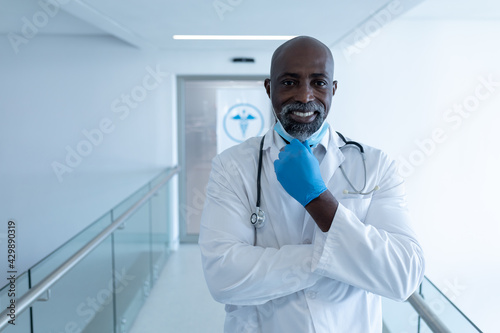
(259, 217)
(362, 152)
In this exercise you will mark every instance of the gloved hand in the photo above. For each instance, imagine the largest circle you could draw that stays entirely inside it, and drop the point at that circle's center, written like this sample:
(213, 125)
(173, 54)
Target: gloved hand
(298, 172)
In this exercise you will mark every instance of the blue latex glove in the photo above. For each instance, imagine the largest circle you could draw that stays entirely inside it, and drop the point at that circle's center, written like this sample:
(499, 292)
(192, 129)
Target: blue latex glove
(298, 172)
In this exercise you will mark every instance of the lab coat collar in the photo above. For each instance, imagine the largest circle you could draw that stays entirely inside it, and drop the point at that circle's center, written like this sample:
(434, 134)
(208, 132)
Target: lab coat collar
(334, 156)
(274, 142)
(335, 138)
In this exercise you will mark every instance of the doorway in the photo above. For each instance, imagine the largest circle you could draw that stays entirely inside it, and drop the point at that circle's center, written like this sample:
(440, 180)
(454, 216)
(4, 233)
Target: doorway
(214, 113)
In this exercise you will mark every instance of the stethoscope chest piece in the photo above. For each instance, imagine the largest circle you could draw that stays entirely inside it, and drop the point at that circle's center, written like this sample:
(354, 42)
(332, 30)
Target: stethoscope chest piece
(258, 218)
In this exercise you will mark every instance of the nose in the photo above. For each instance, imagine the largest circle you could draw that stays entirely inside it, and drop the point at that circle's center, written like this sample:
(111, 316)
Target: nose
(305, 94)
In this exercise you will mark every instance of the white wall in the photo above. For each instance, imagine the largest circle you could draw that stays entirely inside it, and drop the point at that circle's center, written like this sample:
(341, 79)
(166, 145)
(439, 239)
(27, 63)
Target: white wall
(394, 94)
(51, 91)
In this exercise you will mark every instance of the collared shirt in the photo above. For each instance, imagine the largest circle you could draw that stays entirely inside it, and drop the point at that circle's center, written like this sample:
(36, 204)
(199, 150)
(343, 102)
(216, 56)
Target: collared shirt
(298, 278)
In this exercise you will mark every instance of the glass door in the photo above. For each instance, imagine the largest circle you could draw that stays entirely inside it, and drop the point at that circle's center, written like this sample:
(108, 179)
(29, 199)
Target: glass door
(214, 114)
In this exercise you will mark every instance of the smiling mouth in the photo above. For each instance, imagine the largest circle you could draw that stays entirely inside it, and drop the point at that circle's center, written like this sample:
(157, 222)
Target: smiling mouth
(303, 114)
(303, 117)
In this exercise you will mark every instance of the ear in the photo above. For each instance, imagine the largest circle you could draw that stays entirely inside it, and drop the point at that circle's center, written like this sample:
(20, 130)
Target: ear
(334, 87)
(267, 85)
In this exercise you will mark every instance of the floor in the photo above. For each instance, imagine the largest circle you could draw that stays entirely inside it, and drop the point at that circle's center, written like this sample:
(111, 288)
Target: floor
(180, 300)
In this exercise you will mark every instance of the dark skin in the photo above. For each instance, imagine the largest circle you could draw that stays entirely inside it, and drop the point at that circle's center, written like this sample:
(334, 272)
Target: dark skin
(302, 70)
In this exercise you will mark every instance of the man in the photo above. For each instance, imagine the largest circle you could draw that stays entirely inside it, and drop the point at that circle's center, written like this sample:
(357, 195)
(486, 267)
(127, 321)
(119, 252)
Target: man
(327, 251)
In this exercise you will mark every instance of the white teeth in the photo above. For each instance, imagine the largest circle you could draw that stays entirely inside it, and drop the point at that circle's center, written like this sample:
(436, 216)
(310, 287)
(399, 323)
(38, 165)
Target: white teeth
(303, 114)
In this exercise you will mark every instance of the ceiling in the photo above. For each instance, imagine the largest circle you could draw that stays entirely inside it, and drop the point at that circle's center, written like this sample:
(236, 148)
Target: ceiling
(456, 10)
(152, 23)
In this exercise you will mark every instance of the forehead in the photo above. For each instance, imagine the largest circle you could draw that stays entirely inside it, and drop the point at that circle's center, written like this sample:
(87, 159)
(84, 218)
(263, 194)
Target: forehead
(303, 61)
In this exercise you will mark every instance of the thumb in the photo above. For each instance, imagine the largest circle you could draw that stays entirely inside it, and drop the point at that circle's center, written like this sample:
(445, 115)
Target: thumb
(308, 147)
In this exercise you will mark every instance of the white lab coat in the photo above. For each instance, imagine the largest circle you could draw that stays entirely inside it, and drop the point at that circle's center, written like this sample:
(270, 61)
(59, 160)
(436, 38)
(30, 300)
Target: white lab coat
(298, 278)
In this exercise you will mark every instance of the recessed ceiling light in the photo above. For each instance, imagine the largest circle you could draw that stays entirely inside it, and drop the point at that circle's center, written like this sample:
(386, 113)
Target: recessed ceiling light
(228, 37)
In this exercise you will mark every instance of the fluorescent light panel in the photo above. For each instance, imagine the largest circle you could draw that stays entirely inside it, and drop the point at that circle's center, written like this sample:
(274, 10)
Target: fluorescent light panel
(228, 37)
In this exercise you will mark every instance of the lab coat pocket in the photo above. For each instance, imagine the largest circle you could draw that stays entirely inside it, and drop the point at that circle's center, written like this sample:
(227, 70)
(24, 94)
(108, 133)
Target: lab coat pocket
(358, 204)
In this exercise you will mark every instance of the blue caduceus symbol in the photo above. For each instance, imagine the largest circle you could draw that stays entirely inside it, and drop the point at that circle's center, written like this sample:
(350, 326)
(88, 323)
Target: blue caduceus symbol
(243, 117)
(249, 119)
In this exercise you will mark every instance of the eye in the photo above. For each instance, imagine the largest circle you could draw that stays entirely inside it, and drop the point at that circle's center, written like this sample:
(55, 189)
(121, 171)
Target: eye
(321, 83)
(288, 82)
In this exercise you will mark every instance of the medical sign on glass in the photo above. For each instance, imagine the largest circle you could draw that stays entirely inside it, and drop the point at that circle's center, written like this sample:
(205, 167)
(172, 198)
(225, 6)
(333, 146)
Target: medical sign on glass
(241, 114)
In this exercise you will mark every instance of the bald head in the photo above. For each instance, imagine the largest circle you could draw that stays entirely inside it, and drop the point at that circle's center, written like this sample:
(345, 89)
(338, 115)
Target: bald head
(301, 44)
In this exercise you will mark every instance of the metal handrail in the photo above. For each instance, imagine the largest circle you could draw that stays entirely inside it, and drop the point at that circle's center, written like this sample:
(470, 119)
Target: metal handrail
(454, 305)
(39, 289)
(426, 313)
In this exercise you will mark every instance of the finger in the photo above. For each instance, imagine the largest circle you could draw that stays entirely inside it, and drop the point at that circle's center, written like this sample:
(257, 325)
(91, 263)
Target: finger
(308, 147)
(295, 143)
(295, 146)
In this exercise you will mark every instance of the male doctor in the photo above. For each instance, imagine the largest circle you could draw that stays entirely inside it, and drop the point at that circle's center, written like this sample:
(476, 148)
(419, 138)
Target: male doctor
(325, 253)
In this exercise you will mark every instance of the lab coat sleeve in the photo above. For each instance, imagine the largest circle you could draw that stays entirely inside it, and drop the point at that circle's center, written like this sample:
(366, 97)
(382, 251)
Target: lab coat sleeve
(236, 271)
(380, 254)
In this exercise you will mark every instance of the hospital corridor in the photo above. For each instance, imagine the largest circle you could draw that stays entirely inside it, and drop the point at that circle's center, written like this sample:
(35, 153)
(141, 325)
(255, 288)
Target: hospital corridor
(247, 166)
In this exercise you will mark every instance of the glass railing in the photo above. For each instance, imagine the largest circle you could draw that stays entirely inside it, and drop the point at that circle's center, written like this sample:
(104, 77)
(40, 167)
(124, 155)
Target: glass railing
(428, 311)
(105, 290)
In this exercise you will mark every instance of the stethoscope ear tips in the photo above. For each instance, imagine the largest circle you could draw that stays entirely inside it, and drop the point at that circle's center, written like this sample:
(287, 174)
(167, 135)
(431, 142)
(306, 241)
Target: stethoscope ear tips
(345, 191)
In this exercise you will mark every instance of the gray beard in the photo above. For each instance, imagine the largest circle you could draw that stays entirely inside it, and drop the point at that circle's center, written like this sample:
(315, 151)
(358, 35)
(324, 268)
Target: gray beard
(302, 131)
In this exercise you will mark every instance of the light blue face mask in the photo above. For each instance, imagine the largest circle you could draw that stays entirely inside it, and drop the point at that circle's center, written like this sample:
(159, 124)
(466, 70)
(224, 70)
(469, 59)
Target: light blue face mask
(313, 140)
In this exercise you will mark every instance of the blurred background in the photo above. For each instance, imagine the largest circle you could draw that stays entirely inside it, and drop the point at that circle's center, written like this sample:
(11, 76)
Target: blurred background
(98, 98)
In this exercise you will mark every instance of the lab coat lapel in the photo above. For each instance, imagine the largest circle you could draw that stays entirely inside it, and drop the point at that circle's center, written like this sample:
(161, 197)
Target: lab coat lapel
(333, 157)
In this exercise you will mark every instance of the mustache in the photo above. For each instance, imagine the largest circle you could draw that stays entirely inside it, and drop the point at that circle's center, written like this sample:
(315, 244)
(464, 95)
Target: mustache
(303, 107)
